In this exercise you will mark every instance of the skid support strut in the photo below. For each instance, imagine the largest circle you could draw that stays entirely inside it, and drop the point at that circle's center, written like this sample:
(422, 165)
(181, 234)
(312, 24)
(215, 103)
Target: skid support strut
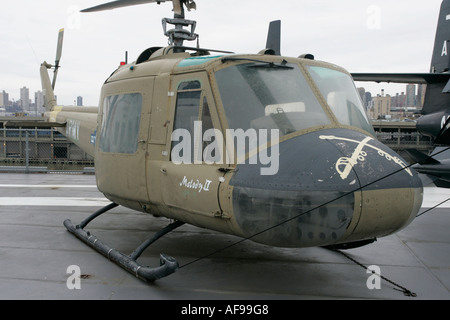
(168, 265)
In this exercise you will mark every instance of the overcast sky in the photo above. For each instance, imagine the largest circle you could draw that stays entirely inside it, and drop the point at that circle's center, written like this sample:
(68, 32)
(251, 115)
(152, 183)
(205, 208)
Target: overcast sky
(361, 36)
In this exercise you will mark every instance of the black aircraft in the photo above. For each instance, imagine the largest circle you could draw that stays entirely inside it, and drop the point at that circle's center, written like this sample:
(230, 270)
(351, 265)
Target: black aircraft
(435, 119)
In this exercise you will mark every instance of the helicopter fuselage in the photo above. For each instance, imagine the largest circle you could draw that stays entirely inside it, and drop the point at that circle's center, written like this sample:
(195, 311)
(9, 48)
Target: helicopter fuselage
(271, 148)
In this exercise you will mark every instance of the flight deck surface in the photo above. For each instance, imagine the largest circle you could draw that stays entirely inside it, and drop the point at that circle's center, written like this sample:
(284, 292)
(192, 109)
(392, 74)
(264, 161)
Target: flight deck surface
(36, 253)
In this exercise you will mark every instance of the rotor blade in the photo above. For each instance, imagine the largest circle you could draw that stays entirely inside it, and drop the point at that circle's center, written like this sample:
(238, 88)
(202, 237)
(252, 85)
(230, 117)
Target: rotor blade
(423, 78)
(59, 46)
(55, 74)
(58, 55)
(120, 4)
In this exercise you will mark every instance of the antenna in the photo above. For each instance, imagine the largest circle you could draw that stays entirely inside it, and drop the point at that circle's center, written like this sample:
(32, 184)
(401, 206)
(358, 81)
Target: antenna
(274, 37)
(177, 35)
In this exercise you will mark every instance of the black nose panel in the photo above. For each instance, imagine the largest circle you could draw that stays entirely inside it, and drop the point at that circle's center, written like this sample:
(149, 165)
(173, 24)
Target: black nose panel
(311, 199)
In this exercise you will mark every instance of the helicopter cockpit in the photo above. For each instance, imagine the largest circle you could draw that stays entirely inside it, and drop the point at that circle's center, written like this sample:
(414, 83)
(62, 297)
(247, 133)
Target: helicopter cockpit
(279, 96)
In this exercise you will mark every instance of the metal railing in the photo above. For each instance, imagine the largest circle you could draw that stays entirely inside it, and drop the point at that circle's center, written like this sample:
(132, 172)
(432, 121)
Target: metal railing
(40, 150)
(405, 140)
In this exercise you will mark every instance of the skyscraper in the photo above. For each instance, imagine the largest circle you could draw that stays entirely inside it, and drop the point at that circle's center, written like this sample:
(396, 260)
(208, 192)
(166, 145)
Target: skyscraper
(421, 90)
(25, 98)
(39, 101)
(4, 99)
(411, 95)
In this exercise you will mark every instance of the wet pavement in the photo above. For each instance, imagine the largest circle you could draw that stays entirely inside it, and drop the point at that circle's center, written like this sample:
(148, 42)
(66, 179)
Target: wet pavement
(38, 255)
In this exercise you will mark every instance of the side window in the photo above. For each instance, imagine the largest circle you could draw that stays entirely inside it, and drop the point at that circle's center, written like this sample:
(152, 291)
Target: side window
(120, 123)
(193, 137)
(188, 105)
(186, 122)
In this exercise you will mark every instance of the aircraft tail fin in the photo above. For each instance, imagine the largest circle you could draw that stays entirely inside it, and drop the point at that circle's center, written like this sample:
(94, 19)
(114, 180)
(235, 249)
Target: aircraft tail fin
(441, 53)
(49, 95)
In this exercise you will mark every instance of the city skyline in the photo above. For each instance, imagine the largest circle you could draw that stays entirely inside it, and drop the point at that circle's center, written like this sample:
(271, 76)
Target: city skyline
(411, 97)
(27, 102)
(374, 36)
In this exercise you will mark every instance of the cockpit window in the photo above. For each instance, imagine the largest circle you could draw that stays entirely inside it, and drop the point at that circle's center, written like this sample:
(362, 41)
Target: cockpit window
(269, 96)
(340, 93)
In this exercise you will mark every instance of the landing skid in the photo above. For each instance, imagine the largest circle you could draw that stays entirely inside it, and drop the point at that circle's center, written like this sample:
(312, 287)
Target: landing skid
(168, 265)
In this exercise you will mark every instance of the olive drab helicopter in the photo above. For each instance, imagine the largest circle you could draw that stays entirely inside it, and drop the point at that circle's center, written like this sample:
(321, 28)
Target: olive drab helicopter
(274, 149)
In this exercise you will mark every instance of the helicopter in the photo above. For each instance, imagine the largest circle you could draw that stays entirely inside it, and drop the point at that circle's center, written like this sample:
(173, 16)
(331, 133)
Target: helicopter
(434, 121)
(277, 150)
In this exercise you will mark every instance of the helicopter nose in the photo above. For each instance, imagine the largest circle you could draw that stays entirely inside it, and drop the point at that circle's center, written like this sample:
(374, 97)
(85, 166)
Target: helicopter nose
(332, 186)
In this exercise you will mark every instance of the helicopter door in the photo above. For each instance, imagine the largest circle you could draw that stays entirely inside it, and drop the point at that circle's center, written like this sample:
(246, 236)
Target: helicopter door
(191, 178)
(121, 141)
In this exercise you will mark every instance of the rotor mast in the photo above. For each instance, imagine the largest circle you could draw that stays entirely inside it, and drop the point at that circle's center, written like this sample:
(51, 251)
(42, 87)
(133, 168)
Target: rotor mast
(177, 35)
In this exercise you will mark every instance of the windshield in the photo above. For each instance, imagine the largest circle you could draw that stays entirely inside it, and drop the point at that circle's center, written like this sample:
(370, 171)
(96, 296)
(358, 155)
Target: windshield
(269, 96)
(340, 93)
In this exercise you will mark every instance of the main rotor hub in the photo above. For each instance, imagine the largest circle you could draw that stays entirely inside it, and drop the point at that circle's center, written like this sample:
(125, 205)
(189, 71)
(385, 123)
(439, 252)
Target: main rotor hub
(179, 34)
